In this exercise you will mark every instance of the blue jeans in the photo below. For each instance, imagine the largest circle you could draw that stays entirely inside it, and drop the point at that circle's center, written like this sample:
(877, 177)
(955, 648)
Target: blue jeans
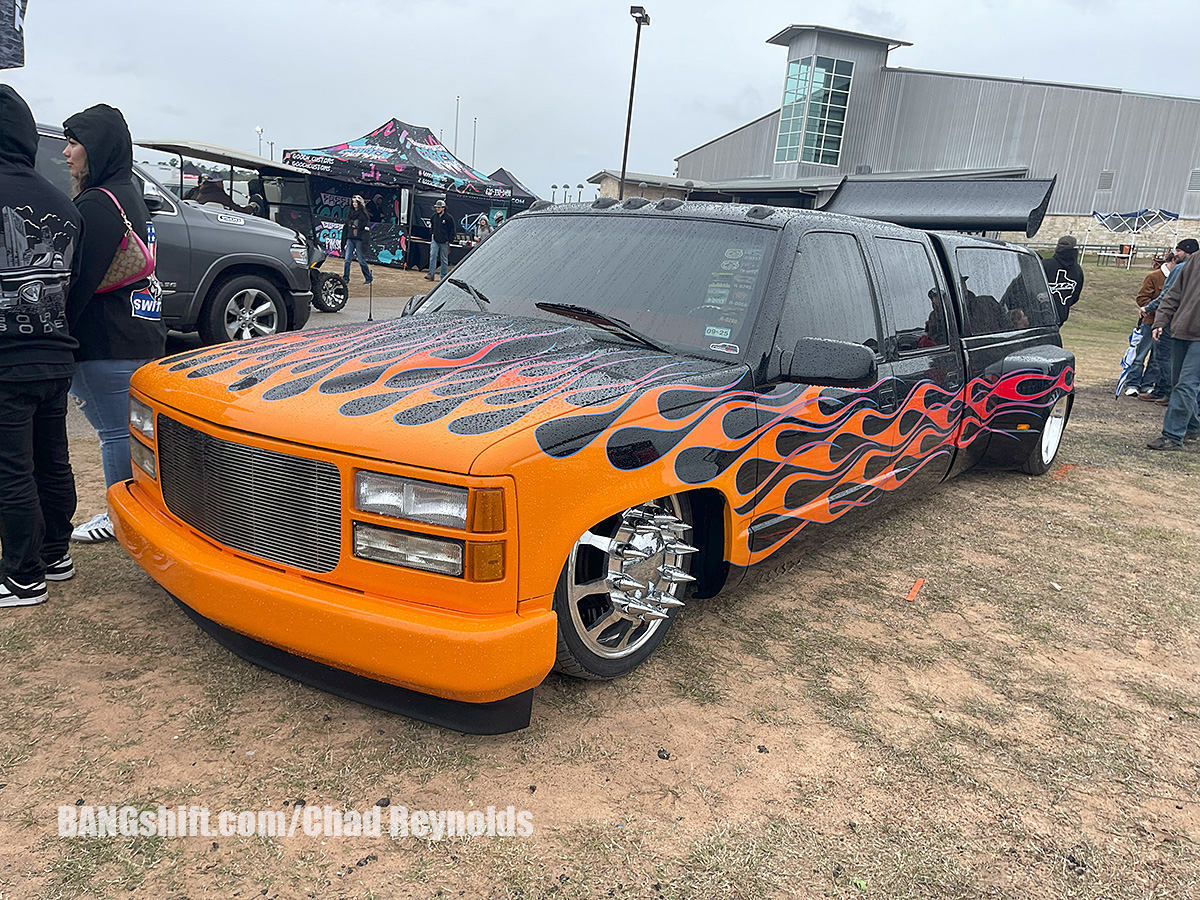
(102, 388)
(1162, 353)
(1143, 380)
(438, 254)
(354, 248)
(1181, 418)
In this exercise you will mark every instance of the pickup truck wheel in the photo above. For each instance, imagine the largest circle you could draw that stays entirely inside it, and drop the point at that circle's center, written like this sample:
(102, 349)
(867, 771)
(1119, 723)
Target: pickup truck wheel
(621, 587)
(243, 307)
(1042, 457)
(329, 292)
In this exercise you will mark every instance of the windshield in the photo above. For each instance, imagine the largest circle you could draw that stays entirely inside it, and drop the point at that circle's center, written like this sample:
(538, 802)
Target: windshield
(691, 285)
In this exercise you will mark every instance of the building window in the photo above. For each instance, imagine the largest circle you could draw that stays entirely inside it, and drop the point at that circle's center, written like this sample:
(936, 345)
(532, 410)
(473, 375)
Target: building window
(813, 116)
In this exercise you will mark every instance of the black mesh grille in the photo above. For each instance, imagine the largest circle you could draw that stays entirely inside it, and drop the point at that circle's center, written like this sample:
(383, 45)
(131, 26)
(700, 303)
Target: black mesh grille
(281, 508)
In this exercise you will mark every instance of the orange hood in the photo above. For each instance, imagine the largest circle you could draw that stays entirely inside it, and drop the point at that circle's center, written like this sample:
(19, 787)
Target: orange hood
(433, 391)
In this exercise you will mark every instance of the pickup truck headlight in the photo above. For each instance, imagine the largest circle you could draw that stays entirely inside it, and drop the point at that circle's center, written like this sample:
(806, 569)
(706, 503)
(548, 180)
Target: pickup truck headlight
(141, 418)
(413, 551)
(406, 498)
(300, 254)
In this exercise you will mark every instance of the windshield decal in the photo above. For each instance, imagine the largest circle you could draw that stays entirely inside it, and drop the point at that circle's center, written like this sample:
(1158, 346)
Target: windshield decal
(725, 348)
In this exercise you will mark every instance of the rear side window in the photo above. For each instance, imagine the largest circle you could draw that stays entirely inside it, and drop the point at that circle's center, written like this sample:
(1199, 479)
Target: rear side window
(830, 293)
(1003, 290)
(916, 302)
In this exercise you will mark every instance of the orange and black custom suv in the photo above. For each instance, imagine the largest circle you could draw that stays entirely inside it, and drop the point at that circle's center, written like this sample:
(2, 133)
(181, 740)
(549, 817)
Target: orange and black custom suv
(604, 411)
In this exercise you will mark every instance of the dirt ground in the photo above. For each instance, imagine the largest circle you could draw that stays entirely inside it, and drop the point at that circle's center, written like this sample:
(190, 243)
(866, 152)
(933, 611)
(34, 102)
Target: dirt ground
(1025, 726)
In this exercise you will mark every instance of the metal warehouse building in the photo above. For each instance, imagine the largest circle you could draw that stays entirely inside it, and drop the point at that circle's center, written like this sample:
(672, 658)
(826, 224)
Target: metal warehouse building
(846, 112)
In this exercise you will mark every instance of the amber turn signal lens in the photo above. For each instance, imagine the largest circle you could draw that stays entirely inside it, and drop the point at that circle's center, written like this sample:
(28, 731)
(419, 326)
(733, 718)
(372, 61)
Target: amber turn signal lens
(487, 510)
(485, 562)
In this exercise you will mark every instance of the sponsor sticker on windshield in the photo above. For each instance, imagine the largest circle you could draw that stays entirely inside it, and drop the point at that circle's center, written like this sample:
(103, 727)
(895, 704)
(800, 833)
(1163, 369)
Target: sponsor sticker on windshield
(725, 348)
(717, 331)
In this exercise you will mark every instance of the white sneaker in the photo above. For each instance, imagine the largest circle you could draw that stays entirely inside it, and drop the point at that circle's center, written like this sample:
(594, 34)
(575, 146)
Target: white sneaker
(97, 530)
(1131, 392)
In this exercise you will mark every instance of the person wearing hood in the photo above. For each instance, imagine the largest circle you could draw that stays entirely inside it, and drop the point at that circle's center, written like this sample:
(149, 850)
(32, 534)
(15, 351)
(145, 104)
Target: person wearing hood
(1064, 276)
(118, 330)
(39, 254)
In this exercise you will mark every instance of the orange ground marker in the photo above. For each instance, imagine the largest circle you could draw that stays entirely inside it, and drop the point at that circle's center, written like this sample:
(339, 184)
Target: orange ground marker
(912, 595)
(1062, 471)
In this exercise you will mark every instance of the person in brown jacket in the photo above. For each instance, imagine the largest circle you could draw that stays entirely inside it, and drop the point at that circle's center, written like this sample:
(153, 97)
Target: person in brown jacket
(1143, 376)
(1179, 311)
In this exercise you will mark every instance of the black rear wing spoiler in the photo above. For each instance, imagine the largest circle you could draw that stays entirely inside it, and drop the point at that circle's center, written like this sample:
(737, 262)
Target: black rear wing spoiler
(947, 204)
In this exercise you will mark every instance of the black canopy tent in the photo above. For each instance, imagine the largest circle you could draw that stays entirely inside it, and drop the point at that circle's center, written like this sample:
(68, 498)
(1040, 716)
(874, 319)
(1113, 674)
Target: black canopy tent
(522, 197)
(391, 167)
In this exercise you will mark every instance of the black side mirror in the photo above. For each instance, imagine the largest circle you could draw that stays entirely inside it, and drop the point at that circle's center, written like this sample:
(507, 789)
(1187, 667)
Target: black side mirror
(155, 202)
(832, 363)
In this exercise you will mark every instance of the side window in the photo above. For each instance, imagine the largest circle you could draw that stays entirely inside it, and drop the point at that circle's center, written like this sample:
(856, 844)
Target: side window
(830, 293)
(917, 303)
(1003, 290)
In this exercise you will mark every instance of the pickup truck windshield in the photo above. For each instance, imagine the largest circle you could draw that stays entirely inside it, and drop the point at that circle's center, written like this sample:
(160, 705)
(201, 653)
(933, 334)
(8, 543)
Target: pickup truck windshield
(690, 285)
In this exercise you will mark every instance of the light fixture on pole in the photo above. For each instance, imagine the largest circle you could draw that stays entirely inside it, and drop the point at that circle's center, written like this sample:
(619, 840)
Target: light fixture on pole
(579, 199)
(271, 144)
(554, 193)
(259, 129)
(642, 18)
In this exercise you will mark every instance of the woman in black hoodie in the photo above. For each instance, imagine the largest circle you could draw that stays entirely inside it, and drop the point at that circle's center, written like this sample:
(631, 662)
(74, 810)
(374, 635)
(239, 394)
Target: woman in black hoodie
(118, 331)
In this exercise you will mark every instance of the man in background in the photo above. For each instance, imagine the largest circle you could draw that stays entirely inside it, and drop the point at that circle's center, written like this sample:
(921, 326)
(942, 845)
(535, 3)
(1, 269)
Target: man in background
(441, 233)
(1064, 276)
(1178, 315)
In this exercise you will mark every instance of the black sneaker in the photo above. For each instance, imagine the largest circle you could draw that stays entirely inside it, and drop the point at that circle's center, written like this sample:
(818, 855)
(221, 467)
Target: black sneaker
(61, 570)
(15, 594)
(1165, 443)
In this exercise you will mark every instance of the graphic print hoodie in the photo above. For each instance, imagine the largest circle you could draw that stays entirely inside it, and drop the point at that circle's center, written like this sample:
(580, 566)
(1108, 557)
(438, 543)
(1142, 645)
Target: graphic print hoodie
(39, 241)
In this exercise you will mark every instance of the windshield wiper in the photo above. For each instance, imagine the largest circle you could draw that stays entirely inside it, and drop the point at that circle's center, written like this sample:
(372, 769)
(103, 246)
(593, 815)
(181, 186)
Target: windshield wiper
(476, 295)
(601, 320)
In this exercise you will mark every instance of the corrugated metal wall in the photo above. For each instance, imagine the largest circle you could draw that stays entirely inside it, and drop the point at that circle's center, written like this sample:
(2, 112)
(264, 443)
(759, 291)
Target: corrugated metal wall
(909, 121)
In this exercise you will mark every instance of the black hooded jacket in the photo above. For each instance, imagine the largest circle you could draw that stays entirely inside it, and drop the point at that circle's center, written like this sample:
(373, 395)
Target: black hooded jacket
(109, 325)
(1065, 278)
(39, 238)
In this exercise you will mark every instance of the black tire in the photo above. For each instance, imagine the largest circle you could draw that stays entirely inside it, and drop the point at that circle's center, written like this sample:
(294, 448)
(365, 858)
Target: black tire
(329, 292)
(599, 636)
(1042, 457)
(240, 308)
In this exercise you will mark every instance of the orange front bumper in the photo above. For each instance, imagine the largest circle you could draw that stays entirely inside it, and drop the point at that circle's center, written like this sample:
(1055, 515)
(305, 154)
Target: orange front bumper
(474, 659)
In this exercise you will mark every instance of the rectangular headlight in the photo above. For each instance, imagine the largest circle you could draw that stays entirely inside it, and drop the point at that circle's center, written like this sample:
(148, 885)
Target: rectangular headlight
(300, 254)
(413, 551)
(143, 457)
(405, 498)
(141, 418)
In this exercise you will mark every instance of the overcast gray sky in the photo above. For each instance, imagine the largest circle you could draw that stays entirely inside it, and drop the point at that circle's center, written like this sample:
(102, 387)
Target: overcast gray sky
(547, 79)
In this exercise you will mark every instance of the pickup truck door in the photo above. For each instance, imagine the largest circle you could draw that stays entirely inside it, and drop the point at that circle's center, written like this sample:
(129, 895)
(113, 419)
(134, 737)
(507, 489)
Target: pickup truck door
(823, 454)
(924, 360)
(173, 250)
(1015, 365)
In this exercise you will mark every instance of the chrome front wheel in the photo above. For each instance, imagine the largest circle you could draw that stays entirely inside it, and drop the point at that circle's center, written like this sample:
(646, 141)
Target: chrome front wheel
(621, 586)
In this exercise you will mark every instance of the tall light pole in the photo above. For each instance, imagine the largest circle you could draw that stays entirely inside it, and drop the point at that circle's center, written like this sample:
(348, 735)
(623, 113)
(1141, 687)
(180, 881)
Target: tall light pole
(259, 129)
(456, 126)
(271, 144)
(642, 18)
(474, 138)
(554, 193)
